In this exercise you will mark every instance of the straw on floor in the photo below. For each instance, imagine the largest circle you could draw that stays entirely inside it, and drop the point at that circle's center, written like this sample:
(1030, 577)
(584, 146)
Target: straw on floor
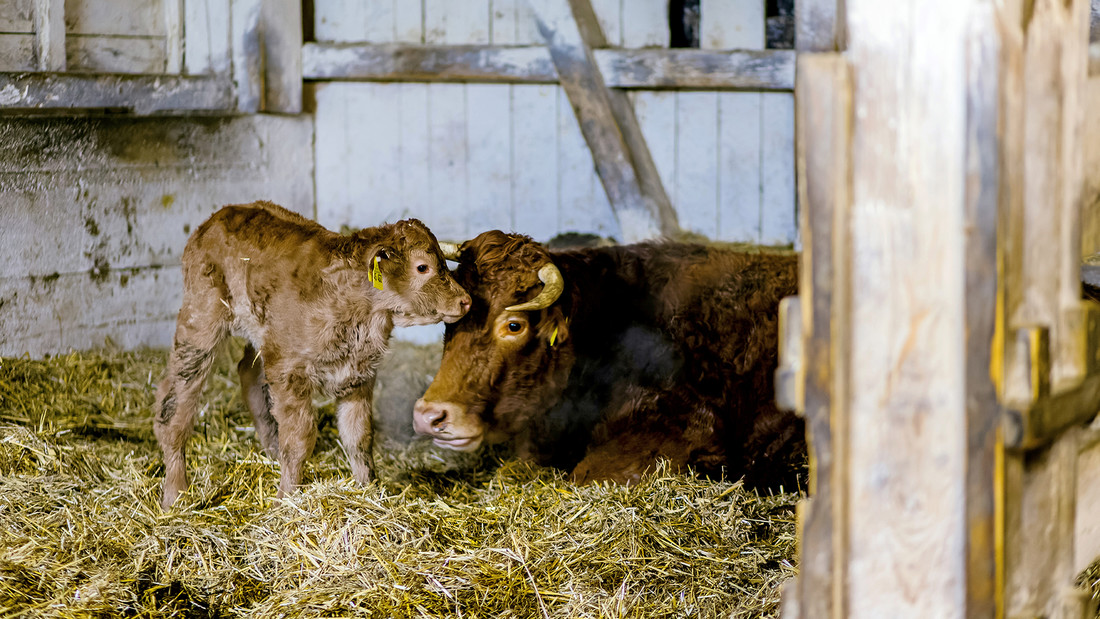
(442, 534)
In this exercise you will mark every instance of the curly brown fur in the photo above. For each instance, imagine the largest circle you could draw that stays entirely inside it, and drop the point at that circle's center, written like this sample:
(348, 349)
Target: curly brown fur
(655, 350)
(303, 298)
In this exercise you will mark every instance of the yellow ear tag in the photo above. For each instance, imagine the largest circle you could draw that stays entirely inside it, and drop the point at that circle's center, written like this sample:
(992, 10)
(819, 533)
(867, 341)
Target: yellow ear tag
(554, 336)
(376, 273)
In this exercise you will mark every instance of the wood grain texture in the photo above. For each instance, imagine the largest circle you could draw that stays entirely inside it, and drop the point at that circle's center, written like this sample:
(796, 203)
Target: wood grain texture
(906, 430)
(643, 69)
(115, 54)
(206, 42)
(824, 121)
(281, 46)
(17, 16)
(247, 54)
(17, 52)
(173, 36)
(139, 94)
(49, 35)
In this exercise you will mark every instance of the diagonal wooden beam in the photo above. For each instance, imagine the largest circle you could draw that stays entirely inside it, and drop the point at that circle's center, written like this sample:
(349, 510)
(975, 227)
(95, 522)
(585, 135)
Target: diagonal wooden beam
(606, 119)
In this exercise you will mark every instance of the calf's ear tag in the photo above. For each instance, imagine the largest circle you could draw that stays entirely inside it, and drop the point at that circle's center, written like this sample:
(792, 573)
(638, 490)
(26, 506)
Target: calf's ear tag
(376, 273)
(554, 336)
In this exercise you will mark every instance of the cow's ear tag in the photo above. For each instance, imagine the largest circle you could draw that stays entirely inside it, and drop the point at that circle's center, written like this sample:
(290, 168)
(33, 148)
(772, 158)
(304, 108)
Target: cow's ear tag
(376, 273)
(554, 337)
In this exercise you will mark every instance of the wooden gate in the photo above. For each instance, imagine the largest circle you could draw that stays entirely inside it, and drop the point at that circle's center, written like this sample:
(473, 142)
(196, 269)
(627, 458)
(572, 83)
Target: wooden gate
(940, 349)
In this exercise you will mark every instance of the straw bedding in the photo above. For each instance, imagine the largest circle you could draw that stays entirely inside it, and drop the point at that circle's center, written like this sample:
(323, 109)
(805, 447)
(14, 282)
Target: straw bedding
(442, 534)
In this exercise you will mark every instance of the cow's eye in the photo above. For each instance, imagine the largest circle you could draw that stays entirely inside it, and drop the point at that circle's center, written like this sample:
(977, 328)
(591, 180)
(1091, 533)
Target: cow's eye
(422, 268)
(515, 327)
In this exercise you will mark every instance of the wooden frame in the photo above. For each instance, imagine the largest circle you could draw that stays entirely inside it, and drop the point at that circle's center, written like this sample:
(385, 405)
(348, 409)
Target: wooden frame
(651, 69)
(258, 70)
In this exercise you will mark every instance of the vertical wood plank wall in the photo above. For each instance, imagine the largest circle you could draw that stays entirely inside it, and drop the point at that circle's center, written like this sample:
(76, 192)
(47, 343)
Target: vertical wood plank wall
(466, 158)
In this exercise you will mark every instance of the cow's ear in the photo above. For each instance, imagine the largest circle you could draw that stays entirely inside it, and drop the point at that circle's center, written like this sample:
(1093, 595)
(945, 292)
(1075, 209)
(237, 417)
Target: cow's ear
(554, 327)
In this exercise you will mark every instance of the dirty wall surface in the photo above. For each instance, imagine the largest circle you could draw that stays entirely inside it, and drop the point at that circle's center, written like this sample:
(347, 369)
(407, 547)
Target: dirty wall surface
(95, 212)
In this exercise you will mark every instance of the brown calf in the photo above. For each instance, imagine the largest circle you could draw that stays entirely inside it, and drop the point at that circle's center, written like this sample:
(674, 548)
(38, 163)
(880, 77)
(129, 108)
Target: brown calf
(316, 308)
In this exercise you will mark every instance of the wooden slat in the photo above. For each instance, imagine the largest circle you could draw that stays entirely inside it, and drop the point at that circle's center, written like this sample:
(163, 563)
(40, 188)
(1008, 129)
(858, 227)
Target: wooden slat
(1040, 509)
(609, 14)
(607, 120)
(206, 37)
(693, 68)
(535, 178)
(695, 191)
(645, 23)
(17, 52)
(447, 161)
(379, 20)
(582, 200)
(643, 68)
(173, 43)
(983, 411)
(820, 25)
(450, 22)
(824, 108)
(739, 167)
(139, 94)
(416, 144)
(17, 16)
(114, 54)
(777, 190)
(247, 54)
(49, 32)
(343, 20)
(408, 22)
(731, 24)
(489, 137)
(281, 47)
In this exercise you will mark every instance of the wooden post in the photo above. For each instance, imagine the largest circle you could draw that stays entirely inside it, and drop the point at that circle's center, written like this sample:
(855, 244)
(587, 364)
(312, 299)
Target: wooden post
(173, 40)
(607, 121)
(247, 54)
(823, 121)
(281, 28)
(49, 34)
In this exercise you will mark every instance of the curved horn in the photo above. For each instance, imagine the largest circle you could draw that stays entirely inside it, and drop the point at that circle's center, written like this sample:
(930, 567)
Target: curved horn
(450, 250)
(552, 285)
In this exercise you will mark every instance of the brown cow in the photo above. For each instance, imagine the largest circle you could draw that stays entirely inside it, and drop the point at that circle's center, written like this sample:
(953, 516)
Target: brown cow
(316, 309)
(603, 360)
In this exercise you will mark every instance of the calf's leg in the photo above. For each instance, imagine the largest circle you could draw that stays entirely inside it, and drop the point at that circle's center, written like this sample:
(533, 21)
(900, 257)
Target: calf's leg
(177, 400)
(257, 399)
(353, 418)
(292, 408)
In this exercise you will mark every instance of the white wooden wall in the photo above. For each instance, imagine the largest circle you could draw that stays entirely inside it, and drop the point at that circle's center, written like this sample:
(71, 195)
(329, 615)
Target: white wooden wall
(470, 157)
(126, 36)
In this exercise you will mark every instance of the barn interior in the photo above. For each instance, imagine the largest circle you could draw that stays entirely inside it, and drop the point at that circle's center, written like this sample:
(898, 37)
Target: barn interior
(126, 123)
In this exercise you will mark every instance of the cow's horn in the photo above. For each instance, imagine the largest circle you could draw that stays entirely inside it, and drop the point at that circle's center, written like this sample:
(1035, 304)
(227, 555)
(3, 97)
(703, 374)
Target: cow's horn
(552, 285)
(450, 250)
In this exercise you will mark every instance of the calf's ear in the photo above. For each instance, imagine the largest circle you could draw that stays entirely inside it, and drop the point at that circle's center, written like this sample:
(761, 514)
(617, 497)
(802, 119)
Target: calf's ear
(554, 327)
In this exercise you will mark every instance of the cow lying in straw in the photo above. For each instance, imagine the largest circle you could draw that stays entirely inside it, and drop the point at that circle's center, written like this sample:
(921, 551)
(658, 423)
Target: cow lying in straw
(316, 308)
(603, 360)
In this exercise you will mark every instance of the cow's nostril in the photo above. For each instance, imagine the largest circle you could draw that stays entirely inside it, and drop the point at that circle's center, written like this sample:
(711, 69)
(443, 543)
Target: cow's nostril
(429, 416)
(464, 303)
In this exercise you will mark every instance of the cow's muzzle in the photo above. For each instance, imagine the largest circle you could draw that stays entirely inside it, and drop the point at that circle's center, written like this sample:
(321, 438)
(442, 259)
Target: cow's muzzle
(448, 425)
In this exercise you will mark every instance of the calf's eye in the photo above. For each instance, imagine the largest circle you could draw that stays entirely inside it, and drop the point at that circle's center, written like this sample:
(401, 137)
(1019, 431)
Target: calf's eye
(422, 268)
(515, 327)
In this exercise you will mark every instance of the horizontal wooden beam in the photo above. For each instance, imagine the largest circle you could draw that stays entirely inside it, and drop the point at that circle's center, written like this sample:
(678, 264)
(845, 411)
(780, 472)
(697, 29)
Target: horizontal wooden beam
(621, 68)
(139, 94)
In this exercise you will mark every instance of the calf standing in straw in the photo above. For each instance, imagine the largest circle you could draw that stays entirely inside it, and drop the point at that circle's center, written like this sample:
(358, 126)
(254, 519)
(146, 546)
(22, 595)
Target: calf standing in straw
(316, 308)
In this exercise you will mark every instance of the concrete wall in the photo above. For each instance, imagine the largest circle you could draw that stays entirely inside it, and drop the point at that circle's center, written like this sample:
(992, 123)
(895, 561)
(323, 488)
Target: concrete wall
(95, 211)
